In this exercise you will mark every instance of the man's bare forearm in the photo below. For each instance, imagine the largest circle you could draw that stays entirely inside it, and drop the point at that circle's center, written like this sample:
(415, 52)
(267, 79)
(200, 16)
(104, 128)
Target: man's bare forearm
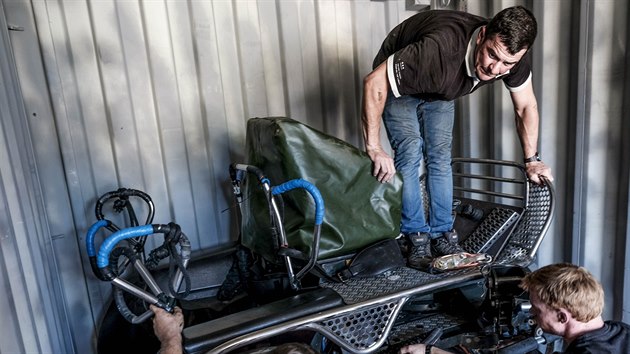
(374, 97)
(375, 89)
(527, 126)
(527, 130)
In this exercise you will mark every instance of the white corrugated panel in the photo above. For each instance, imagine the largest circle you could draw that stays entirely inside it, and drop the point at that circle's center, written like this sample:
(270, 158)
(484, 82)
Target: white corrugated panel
(34, 320)
(155, 95)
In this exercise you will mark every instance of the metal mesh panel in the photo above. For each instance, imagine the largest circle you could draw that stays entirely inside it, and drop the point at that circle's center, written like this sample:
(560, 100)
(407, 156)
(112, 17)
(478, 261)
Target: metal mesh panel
(413, 331)
(530, 230)
(425, 195)
(359, 289)
(494, 225)
(361, 329)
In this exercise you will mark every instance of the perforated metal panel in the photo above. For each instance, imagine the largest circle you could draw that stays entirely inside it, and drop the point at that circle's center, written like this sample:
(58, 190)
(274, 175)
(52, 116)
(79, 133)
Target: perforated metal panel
(409, 332)
(527, 237)
(361, 329)
(360, 289)
(495, 224)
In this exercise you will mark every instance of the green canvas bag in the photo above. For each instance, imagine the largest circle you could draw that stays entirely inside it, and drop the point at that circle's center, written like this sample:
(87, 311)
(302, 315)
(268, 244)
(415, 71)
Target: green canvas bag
(358, 209)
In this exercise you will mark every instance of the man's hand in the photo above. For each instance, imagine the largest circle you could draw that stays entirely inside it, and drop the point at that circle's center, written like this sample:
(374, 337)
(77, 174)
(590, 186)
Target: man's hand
(384, 168)
(168, 329)
(420, 349)
(537, 169)
(413, 349)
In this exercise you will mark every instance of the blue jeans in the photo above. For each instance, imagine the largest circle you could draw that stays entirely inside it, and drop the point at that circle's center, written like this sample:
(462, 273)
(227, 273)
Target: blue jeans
(417, 130)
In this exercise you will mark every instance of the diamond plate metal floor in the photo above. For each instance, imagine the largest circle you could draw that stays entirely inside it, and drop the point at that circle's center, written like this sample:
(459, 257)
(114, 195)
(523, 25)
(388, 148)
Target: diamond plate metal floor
(400, 279)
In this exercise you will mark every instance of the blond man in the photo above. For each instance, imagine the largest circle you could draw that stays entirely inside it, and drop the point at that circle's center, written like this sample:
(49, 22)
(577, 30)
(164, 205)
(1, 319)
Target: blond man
(567, 301)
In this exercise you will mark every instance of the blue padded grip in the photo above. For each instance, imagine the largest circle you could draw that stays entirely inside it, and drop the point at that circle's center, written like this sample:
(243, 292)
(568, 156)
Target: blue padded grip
(89, 238)
(108, 245)
(314, 192)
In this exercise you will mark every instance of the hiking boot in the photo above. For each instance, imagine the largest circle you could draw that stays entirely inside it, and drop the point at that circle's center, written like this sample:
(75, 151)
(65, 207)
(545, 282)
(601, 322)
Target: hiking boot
(447, 244)
(420, 254)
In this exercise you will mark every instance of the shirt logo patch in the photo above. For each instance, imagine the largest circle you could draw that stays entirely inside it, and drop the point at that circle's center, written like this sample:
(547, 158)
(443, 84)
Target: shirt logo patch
(398, 68)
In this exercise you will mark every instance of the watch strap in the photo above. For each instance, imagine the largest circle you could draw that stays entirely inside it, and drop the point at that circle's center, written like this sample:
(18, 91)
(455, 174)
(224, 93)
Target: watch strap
(536, 157)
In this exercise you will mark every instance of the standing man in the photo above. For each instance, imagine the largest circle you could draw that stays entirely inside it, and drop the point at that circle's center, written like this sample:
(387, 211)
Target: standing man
(424, 64)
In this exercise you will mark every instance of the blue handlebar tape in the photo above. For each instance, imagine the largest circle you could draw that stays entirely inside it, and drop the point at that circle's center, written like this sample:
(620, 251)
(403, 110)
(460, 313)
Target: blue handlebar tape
(108, 245)
(300, 183)
(89, 239)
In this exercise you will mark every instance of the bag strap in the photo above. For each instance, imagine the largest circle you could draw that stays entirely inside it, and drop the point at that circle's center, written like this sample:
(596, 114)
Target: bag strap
(373, 260)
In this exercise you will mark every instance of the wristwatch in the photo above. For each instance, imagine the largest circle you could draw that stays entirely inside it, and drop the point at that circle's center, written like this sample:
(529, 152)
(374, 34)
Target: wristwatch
(536, 157)
(427, 349)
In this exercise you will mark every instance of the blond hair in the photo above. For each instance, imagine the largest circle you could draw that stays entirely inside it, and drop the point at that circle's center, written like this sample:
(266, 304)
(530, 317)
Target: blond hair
(567, 286)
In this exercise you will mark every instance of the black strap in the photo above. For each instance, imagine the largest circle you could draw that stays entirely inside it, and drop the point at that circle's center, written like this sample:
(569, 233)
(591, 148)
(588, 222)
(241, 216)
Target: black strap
(373, 260)
(171, 239)
(536, 157)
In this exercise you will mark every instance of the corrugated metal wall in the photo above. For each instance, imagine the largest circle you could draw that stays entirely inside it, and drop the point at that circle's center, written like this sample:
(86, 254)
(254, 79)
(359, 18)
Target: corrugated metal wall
(155, 95)
(28, 279)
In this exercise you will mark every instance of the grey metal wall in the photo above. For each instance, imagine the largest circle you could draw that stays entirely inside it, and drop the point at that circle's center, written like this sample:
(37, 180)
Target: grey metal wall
(155, 95)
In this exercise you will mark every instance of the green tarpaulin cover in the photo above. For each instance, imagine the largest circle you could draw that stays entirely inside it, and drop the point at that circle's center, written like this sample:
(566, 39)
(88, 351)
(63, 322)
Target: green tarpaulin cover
(358, 209)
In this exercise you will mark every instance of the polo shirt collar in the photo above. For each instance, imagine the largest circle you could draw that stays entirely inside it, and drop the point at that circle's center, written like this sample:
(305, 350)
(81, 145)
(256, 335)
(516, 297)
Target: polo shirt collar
(470, 55)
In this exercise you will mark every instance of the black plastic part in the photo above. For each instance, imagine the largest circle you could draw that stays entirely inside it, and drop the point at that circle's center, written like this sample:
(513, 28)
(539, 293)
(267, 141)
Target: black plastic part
(205, 336)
